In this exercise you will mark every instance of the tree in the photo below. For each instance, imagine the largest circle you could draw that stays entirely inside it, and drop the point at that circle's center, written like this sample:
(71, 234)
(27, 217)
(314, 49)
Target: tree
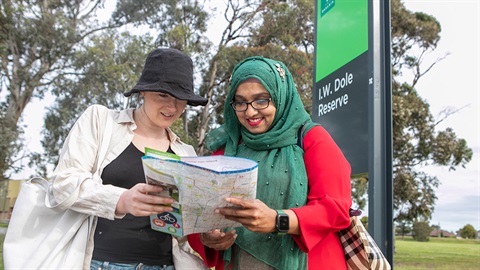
(416, 142)
(403, 228)
(468, 232)
(111, 63)
(37, 41)
(421, 231)
(239, 15)
(248, 32)
(101, 72)
(289, 25)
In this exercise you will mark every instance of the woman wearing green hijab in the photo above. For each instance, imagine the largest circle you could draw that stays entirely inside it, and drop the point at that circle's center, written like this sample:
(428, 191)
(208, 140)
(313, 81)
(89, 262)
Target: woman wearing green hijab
(303, 192)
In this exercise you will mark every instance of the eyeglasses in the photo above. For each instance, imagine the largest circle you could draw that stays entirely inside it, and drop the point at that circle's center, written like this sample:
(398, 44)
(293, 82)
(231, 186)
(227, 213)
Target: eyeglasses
(259, 104)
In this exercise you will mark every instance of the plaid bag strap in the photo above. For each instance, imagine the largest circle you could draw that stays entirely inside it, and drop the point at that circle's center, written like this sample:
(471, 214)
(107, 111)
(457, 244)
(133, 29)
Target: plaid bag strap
(375, 256)
(356, 256)
(361, 251)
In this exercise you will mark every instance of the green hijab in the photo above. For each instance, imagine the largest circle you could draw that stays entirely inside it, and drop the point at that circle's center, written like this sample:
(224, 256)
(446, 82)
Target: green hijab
(282, 181)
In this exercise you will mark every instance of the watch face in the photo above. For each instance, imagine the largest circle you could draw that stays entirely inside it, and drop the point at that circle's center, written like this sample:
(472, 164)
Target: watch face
(283, 223)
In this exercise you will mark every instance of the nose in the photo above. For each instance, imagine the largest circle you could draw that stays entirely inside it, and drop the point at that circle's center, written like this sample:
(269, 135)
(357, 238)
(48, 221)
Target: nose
(171, 103)
(250, 110)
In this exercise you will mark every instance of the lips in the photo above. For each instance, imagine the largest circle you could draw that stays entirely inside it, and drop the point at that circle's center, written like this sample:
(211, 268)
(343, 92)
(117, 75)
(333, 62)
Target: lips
(167, 115)
(254, 121)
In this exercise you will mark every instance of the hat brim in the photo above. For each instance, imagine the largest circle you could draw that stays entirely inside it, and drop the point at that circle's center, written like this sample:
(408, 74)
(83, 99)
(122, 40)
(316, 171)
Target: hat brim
(192, 100)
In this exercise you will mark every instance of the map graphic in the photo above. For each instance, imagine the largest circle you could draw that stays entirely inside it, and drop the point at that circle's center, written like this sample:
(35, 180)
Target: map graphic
(199, 185)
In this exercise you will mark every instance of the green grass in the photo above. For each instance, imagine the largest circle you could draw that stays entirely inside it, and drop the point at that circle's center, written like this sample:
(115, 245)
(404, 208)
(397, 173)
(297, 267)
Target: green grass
(438, 253)
(2, 237)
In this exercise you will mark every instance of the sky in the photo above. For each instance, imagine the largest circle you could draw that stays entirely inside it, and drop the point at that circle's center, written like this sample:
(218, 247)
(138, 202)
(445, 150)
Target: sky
(454, 82)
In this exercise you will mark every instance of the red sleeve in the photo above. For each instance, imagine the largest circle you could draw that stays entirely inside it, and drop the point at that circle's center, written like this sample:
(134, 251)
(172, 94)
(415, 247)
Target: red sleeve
(211, 257)
(329, 195)
(219, 152)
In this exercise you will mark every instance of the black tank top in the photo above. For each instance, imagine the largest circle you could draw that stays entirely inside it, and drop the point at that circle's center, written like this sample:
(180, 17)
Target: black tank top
(131, 239)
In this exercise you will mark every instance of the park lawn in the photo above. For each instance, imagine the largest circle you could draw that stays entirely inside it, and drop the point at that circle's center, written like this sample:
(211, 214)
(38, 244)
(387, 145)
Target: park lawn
(438, 253)
(2, 237)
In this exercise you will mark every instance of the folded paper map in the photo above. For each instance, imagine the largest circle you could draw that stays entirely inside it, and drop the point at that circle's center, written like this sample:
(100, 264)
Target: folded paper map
(199, 185)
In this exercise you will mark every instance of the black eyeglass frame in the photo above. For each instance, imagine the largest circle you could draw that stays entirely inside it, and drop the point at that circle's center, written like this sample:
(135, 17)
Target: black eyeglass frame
(232, 103)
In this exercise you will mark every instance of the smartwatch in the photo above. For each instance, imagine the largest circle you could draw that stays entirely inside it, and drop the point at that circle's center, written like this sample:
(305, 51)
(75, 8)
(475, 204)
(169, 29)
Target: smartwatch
(282, 222)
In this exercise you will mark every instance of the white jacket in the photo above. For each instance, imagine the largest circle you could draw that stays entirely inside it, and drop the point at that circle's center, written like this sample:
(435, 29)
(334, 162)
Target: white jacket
(78, 161)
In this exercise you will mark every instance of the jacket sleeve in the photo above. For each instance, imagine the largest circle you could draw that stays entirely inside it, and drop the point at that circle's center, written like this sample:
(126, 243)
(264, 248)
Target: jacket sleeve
(329, 196)
(78, 163)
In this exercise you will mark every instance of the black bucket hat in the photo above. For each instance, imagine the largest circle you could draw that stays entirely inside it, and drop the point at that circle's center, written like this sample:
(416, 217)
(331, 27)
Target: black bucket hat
(168, 71)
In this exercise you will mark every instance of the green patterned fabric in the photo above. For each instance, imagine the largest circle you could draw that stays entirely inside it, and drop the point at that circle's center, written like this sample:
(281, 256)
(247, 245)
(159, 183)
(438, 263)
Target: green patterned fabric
(282, 180)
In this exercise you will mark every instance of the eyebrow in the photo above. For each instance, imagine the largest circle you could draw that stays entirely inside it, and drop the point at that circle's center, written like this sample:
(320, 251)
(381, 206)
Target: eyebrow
(255, 96)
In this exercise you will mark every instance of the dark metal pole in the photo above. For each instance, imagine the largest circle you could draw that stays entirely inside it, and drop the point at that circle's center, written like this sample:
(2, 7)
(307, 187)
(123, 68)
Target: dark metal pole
(380, 187)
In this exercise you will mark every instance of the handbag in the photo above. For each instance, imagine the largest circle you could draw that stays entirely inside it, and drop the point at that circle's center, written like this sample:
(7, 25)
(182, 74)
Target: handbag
(184, 257)
(361, 251)
(43, 234)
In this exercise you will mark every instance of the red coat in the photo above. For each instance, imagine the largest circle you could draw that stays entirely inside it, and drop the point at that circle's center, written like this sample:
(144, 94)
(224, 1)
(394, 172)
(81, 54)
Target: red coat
(327, 209)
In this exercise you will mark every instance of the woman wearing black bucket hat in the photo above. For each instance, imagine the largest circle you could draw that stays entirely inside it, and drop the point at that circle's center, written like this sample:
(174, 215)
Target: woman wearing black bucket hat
(119, 199)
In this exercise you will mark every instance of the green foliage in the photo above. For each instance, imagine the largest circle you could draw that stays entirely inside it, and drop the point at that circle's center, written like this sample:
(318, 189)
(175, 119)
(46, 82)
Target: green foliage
(416, 142)
(289, 27)
(411, 30)
(468, 232)
(102, 71)
(414, 194)
(364, 221)
(288, 23)
(10, 146)
(176, 24)
(403, 228)
(37, 41)
(421, 231)
(360, 190)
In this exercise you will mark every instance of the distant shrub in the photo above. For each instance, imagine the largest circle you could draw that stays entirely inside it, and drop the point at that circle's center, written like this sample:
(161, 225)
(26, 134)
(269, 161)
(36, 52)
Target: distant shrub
(468, 232)
(421, 231)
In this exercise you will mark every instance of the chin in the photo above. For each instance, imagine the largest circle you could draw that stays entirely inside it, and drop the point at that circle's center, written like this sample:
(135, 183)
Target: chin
(256, 130)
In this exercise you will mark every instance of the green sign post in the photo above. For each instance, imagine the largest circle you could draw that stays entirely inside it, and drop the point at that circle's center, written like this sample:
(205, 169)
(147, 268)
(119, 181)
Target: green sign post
(341, 76)
(352, 97)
